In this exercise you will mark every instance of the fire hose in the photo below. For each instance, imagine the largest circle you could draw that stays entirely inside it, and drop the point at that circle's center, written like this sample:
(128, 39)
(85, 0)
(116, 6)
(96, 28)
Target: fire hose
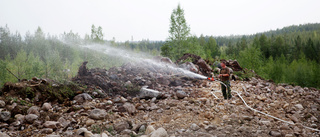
(288, 122)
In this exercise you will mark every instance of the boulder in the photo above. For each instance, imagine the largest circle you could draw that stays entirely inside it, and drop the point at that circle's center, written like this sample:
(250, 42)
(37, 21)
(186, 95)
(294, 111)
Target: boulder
(82, 97)
(166, 60)
(194, 127)
(298, 106)
(181, 94)
(210, 127)
(46, 106)
(34, 110)
(4, 134)
(130, 108)
(5, 115)
(89, 122)
(46, 130)
(149, 129)
(100, 135)
(160, 132)
(280, 89)
(63, 122)
(275, 133)
(98, 114)
(30, 118)
(121, 126)
(2, 104)
(51, 124)
(84, 132)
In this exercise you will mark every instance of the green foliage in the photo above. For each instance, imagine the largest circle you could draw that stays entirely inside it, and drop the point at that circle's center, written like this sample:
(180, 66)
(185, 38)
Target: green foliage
(96, 34)
(178, 34)
(245, 75)
(290, 55)
(96, 129)
(251, 58)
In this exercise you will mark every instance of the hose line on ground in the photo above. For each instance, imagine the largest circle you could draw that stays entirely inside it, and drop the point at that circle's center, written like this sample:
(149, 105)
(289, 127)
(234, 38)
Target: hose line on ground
(289, 122)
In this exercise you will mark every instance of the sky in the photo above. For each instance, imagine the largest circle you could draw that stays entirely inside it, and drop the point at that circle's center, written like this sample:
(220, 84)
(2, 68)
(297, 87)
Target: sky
(150, 19)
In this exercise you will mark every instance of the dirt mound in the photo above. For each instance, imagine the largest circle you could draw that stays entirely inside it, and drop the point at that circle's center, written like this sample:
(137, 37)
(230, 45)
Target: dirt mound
(128, 79)
(203, 67)
(40, 90)
(233, 64)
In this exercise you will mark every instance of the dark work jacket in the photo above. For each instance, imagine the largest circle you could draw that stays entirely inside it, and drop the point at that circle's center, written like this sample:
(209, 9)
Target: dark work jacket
(225, 71)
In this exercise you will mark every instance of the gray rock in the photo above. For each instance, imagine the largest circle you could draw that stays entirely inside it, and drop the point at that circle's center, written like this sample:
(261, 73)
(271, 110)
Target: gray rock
(248, 118)
(16, 123)
(20, 117)
(51, 124)
(194, 127)
(284, 127)
(294, 119)
(68, 133)
(148, 93)
(130, 108)
(181, 94)
(89, 122)
(289, 135)
(98, 114)
(160, 132)
(267, 123)
(275, 133)
(299, 106)
(149, 129)
(11, 107)
(289, 91)
(4, 134)
(53, 136)
(34, 110)
(82, 97)
(210, 127)
(121, 126)
(84, 131)
(126, 132)
(30, 118)
(153, 106)
(100, 135)
(63, 122)
(2, 104)
(314, 119)
(46, 130)
(142, 128)
(46, 106)
(5, 115)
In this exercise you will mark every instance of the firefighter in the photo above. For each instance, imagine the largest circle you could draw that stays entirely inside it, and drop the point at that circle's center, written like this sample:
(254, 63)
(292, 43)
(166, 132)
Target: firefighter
(224, 75)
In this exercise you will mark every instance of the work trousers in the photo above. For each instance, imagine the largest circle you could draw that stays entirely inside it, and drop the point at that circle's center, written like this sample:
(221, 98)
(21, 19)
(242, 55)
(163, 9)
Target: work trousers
(226, 94)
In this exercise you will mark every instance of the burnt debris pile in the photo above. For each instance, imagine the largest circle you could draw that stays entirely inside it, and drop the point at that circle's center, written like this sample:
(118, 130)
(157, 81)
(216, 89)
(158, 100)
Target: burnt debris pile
(158, 74)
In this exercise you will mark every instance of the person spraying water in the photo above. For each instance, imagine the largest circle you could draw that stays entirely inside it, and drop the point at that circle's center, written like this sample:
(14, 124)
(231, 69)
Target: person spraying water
(225, 83)
(224, 75)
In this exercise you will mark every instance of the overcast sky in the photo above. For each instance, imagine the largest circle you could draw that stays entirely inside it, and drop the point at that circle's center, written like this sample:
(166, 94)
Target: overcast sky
(149, 19)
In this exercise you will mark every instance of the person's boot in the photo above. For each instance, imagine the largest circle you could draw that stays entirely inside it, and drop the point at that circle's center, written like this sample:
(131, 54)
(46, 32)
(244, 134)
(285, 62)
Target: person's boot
(229, 94)
(225, 94)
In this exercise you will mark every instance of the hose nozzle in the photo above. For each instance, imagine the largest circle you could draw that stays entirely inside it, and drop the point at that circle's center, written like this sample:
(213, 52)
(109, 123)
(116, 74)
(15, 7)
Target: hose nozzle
(212, 79)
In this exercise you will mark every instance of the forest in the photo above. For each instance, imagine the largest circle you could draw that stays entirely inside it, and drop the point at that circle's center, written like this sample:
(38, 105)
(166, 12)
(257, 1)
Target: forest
(288, 55)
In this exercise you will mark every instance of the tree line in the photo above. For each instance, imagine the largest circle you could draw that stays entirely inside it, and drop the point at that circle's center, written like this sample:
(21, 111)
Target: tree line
(58, 57)
(288, 55)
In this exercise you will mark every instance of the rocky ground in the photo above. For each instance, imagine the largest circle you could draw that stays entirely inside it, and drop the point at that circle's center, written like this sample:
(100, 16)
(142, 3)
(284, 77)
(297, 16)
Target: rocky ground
(177, 106)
